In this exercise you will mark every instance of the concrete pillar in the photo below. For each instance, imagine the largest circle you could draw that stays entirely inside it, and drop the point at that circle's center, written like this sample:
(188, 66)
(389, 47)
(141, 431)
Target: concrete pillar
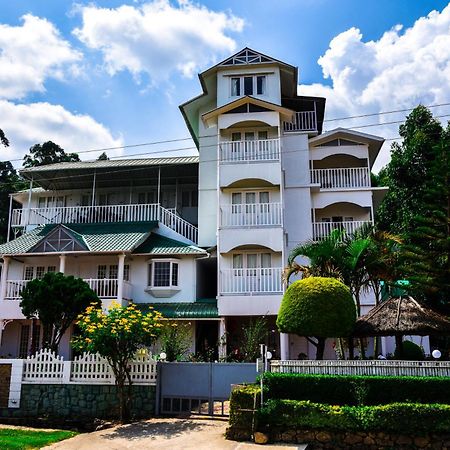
(4, 278)
(222, 339)
(284, 346)
(62, 263)
(120, 274)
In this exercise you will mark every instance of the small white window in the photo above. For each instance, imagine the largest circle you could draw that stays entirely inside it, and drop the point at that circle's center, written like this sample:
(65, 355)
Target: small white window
(40, 272)
(260, 84)
(101, 272)
(29, 273)
(238, 262)
(126, 272)
(235, 87)
(266, 260)
(163, 274)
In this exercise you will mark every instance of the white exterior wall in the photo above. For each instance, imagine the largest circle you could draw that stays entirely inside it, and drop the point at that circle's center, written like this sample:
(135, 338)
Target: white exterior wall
(273, 90)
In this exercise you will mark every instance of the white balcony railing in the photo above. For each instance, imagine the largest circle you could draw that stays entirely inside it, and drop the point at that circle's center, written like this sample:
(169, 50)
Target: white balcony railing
(352, 177)
(245, 151)
(107, 213)
(303, 121)
(104, 288)
(251, 281)
(251, 215)
(323, 229)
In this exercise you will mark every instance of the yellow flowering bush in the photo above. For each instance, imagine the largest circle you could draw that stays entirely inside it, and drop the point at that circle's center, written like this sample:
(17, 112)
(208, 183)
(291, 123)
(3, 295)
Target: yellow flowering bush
(117, 335)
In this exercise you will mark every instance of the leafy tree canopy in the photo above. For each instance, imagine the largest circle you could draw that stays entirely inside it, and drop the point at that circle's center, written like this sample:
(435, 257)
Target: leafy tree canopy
(47, 153)
(103, 157)
(408, 171)
(56, 300)
(317, 307)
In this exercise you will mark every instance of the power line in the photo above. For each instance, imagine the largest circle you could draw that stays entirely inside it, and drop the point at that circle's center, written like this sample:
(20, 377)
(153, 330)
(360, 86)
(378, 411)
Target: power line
(168, 141)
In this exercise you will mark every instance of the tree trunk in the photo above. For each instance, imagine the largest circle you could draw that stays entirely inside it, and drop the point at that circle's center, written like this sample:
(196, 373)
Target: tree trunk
(320, 348)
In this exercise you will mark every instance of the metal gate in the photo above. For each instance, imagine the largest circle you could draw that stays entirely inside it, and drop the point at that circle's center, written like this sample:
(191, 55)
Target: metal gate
(199, 388)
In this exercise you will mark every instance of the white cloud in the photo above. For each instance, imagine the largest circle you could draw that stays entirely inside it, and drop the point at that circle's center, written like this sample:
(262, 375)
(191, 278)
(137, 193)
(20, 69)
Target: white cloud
(158, 38)
(30, 53)
(400, 70)
(29, 124)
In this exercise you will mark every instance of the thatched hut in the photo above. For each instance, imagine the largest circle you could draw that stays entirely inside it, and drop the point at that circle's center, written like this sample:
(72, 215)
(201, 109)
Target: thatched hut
(401, 316)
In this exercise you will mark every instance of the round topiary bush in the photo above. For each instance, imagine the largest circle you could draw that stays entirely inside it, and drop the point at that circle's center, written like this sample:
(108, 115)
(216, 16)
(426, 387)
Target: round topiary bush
(317, 307)
(410, 352)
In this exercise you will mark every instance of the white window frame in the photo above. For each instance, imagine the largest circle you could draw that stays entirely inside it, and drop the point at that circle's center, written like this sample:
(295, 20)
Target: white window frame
(51, 201)
(254, 77)
(108, 268)
(151, 273)
(34, 270)
(258, 254)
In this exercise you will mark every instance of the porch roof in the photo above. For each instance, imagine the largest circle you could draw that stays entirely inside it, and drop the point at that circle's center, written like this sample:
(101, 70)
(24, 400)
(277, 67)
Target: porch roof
(156, 244)
(202, 309)
(97, 237)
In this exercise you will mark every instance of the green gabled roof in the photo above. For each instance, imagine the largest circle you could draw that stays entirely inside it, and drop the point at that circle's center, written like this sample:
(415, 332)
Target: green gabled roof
(98, 237)
(156, 244)
(193, 310)
(27, 241)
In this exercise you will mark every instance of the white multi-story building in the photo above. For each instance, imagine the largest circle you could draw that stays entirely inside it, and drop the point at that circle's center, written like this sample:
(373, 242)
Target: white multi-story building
(265, 180)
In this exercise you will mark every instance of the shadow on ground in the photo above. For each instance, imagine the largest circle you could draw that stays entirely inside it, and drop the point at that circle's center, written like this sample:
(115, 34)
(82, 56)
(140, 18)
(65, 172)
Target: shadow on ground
(159, 429)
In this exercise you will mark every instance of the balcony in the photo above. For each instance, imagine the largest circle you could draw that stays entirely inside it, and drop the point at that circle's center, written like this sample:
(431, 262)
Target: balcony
(251, 281)
(303, 121)
(107, 213)
(250, 151)
(323, 229)
(105, 288)
(251, 215)
(348, 178)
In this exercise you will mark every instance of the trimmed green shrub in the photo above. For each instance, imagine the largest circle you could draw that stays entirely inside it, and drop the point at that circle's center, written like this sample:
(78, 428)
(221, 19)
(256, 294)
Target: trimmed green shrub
(404, 418)
(410, 352)
(319, 307)
(243, 400)
(356, 390)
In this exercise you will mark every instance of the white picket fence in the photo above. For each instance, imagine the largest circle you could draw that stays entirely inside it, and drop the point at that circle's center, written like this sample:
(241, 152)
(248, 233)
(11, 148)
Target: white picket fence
(363, 367)
(46, 367)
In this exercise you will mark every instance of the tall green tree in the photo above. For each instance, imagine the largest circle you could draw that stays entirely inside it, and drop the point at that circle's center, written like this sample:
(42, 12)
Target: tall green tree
(47, 153)
(427, 255)
(407, 173)
(56, 300)
(3, 139)
(103, 157)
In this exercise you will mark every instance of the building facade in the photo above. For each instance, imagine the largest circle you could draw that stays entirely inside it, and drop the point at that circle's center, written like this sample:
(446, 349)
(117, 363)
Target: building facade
(203, 238)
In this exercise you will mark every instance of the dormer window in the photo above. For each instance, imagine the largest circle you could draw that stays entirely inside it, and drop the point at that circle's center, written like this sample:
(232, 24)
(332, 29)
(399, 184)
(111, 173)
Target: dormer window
(163, 277)
(248, 85)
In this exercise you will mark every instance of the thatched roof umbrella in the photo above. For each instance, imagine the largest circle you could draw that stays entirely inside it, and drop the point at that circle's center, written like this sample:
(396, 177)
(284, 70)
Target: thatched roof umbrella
(400, 316)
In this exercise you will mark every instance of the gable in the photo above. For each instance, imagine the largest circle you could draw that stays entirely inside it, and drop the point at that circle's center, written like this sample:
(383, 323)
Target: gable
(247, 56)
(60, 240)
(338, 142)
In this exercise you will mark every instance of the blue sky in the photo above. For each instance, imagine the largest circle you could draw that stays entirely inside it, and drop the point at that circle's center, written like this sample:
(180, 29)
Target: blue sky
(108, 76)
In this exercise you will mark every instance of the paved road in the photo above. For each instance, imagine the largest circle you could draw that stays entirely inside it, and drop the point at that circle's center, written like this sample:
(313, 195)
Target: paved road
(162, 434)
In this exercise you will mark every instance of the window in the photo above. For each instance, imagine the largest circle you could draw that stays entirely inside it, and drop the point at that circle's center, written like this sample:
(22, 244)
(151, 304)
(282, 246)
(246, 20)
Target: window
(112, 272)
(248, 85)
(32, 272)
(235, 87)
(149, 198)
(163, 274)
(189, 199)
(260, 85)
(252, 260)
(50, 202)
(24, 341)
(29, 273)
(126, 272)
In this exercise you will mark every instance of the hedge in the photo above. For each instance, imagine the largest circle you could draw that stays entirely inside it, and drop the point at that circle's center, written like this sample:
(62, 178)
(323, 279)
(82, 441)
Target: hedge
(243, 401)
(404, 418)
(357, 390)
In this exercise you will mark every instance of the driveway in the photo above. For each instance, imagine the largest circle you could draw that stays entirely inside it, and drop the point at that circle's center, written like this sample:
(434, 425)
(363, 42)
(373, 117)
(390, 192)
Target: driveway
(162, 434)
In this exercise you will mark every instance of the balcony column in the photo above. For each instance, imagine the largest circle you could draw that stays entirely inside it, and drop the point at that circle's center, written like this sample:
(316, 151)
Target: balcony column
(4, 278)
(222, 339)
(120, 275)
(62, 263)
(284, 346)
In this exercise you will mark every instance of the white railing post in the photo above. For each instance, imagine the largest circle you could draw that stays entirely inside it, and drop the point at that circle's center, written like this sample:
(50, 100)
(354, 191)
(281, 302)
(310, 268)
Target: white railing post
(67, 366)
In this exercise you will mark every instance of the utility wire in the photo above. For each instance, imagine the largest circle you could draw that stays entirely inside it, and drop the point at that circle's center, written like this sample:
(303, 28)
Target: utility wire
(168, 141)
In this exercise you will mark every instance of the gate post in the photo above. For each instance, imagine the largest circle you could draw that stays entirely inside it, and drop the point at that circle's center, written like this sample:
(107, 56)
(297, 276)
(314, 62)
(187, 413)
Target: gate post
(210, 390)
(158, 389)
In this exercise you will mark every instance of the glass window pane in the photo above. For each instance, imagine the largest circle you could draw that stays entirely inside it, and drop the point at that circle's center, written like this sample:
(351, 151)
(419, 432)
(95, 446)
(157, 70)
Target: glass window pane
(236, 198)
(101, 272)
(237, 261)
(161, 274)
(51, 269)
(28, 275)
(262, 135)
(174, 274)
(263, 197)
(250, 136)
(250, 197)
(40, 271)
(248, 85)
(235, 136)
(126, 272)
(261, 85)
(235, 86)
(42, 202)
(252, 260)
(113, 272)
(266, 260)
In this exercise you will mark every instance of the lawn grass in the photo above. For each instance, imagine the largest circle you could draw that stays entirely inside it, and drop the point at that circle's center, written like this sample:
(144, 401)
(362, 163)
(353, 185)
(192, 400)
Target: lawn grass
(17, 439)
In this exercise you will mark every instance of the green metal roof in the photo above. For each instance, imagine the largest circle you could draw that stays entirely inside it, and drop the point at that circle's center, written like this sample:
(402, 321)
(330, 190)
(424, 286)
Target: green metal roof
(98, 237)
(156, 244)
(193, 310)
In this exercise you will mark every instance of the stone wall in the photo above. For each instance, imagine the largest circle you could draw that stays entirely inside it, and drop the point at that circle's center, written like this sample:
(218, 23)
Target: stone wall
(319, 440)
(79, 402)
